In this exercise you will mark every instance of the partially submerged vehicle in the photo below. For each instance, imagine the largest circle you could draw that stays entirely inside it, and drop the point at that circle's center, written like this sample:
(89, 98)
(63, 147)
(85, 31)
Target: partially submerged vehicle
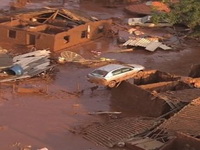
(112, 74)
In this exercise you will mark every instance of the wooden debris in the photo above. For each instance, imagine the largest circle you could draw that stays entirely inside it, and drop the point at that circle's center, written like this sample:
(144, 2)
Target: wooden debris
(29, 90)
(104, 112)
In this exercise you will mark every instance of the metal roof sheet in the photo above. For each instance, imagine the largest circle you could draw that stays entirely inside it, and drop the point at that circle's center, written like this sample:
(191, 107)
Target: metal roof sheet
(153, 46)
(149, 44)
(186, 120)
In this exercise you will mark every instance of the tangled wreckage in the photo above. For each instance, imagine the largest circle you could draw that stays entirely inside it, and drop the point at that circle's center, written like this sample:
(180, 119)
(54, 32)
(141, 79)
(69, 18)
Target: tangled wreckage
(24, 66)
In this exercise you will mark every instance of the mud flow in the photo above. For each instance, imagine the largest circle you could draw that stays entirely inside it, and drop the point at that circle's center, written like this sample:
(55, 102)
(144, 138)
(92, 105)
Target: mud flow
(52, 106)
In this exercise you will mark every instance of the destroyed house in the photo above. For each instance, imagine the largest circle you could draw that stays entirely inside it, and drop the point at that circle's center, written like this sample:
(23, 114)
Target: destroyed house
(50, 29)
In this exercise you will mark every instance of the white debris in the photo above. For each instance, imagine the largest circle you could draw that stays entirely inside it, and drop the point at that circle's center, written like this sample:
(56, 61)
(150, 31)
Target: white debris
(32, 63)
(146, 21)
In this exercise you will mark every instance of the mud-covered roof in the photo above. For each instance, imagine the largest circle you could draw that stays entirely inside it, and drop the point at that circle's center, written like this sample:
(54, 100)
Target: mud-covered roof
(146, 8)
(186, 120)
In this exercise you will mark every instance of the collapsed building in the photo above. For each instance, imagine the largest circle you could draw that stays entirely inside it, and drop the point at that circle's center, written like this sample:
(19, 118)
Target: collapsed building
(52, 29)
(163, 114)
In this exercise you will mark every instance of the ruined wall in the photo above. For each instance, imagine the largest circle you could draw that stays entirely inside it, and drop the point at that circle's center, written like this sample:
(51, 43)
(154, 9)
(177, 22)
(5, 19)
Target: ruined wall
(21, 33)
(138, 101)
(153, 76)
(22, 37)
(45, 41)
(15, 36)
(10, 33)
(75, 34)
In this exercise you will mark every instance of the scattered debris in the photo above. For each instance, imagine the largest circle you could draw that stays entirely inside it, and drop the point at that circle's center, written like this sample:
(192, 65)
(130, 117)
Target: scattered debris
(28, 65)
(121, 50)
(150, 44)
(104, 112)
(3, 51)
(76, 105)
(18, 145)
(29, 90)
(72, 57)
(146, 144)
(147, 22)
(68, 56)
(77, 94)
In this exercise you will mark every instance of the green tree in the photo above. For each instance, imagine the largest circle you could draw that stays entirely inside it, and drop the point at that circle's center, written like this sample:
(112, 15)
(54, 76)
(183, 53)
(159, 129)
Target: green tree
(185, 12)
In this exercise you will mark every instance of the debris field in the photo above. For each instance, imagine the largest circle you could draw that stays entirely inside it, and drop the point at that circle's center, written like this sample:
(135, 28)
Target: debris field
(48, 48)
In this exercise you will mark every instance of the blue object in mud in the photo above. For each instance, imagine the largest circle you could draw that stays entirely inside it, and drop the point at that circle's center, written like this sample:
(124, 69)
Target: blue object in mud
(17, 69)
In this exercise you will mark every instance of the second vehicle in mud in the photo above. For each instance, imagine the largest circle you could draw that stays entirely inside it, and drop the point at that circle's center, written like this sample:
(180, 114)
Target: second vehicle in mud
(112, 74)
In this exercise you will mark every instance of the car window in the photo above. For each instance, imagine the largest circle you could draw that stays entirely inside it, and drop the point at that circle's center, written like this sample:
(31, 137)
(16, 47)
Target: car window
(126, 69)
(100, 72)
(116, 72)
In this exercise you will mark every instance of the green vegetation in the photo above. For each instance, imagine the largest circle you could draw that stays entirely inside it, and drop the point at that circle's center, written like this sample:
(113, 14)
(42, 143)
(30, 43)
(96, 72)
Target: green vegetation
(185, 12)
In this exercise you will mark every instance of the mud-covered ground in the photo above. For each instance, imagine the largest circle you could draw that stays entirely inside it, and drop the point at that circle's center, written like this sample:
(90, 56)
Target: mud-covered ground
(48, 119)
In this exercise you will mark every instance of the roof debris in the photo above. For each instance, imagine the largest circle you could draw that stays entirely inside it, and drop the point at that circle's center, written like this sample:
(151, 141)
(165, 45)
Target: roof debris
(115, 132)
(186, 120)
(150, 44)
(29, 65)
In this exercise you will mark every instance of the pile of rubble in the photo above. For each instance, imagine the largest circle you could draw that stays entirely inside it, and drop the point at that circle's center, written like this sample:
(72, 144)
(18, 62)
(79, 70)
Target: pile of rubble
(24, 66)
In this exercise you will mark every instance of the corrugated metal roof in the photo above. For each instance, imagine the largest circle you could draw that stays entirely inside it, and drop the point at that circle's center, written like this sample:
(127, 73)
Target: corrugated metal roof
(148, 43)
(142, 42)
(118, 130)
(186, 120)
(153, 46)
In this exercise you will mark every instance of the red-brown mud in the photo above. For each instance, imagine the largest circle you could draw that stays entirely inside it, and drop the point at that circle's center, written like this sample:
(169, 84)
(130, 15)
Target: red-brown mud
(45, 120)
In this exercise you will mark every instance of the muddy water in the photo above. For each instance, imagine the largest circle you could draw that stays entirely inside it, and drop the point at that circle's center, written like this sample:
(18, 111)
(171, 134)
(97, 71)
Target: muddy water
(46, 120)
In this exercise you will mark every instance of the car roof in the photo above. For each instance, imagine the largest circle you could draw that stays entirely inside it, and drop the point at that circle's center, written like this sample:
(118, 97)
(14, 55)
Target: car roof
(111, 67)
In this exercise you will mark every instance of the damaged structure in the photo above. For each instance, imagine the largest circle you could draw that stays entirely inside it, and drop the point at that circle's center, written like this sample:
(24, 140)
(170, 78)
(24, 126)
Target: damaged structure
(160, 125)
(52, 29)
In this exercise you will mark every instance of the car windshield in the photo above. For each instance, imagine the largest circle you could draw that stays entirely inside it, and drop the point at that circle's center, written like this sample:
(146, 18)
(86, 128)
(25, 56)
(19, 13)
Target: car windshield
(101, 73)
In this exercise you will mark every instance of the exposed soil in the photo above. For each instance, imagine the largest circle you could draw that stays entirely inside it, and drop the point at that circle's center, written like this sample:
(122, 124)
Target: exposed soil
(47, 118)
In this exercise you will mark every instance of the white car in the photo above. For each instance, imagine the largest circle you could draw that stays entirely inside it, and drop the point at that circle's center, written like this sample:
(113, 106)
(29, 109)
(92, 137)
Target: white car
(112, 74)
